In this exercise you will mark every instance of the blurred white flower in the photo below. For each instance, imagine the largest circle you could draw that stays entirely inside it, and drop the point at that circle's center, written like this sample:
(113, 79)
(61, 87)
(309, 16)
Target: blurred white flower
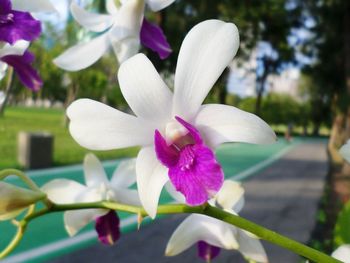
(342, 253)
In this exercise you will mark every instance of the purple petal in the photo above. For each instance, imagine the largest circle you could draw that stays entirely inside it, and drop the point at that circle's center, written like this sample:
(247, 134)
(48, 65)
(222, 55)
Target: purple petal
(5, 7)
(197, 174)
(152, 36)
(167, 155)
(22, 66)
(18, 25)
(191, 129)
(107, 228)
(206, 251)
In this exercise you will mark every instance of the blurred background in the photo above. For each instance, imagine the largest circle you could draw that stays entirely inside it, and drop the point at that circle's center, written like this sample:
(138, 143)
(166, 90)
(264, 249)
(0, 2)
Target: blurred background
(292, 69)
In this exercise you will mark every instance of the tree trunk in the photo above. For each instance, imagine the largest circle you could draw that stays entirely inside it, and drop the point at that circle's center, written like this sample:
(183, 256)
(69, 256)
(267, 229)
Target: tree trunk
(8, 90)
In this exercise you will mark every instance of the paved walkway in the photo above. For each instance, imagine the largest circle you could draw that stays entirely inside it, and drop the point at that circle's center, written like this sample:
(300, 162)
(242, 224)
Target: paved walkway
(284, 197)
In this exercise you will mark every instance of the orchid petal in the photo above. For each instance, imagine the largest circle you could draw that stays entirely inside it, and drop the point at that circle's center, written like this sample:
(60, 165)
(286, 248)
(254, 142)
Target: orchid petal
(83, 55)
(221, 123)
(111, 7)
(125, 175)
(125, 48)
(205, 52)
(63, 191)
(33, 6)
(178, 196)
(345, 151)
(144, 90)
(17, 49)
(201, 228)
(108, 228)
(93, 171)
(151, 177)
(342, 253)
(250, 247)
(157, 5)
(127, 196)
(91, 21)
(97, 126)
(231, 196)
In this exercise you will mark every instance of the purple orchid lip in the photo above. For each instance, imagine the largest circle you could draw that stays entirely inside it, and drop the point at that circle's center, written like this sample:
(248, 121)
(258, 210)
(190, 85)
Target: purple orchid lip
(206, 251)
(108, 228)
(17, 25)
(193, 169)
(152, 37)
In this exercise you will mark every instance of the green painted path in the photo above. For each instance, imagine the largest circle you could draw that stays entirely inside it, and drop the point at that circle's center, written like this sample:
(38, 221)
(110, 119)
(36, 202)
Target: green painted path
(46, 238)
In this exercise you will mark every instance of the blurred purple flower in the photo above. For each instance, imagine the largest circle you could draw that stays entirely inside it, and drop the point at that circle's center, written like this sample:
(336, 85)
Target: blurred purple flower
(107, 228)
(17, 25)
(206, 251)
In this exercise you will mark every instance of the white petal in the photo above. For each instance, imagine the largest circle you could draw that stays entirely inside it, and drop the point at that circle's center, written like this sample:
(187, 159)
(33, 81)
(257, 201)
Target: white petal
(94, 172)
(178, 196)
(199, 227)
(17, 49)
(345, 151)
(125, 175)
(251, 247)
(221, 123)
(144, 90)
(151, 176)
(342, 253)
(157, 5)
(111, 7)
(127, 196)
(231, 196)
(91, 21)
(33, 6)
(206, 51)
(97, 126)
(76, 220)
(63, 191)
(83, 55)
(125, 48)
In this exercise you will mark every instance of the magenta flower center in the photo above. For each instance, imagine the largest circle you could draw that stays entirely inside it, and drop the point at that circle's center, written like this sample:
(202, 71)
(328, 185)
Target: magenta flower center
(193, 169)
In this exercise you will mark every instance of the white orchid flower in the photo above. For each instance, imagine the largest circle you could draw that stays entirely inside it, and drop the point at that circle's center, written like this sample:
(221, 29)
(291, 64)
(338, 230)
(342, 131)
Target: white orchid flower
(345, 151)
(191, 131)
(120, 29)
(33, 6)
(97, 188)
(14, 200)
(211, 234)
(342, 253)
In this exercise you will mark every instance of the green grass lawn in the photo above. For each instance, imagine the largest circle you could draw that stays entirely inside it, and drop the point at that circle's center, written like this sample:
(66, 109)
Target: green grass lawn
(66, 150)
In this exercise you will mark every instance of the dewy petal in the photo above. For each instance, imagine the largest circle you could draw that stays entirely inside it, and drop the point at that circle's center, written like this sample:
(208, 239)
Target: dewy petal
(26, 73)
(207, 252)
(17, 49)
(63, 191)
(144, 90)
(221, 123)
(152, 37)
(345, 151)
(97, 126)
(231, 196)
(250, 247)
(83, 55)
(206, 51)
(157, 5)
(91, 21)
(33, 6)
(342, 253)
(201, 228)
(125, 174)
(94, 172)
(151, 176)
(107, 228)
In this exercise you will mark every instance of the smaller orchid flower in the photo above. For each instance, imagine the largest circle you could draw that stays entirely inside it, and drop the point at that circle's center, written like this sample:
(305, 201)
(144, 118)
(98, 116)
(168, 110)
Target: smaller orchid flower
(98, 188)
(211, 234)
(20, 59)
(17, 25)
(33, 6)
(342, 253)
(14, 200)
(345, 151)
(123, 28)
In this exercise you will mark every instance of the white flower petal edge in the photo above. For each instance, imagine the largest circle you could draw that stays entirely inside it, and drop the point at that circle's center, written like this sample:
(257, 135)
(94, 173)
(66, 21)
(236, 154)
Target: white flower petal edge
(201, 228)
(251, 247)
(342, 253)
(17, 49)
(93, 171)
(231, 196)
(97, 126)
(63, 191)
(124, 175)
(91, 21)
(33, 6)
(345, 151)
(83, 55)
(111, 7)
(221, 123)
(206, 51)
(157, 5)
(151, 177)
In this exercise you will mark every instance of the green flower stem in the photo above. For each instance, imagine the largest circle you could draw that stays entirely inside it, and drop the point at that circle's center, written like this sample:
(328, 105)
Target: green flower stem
(21, 175)
(206, 209)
